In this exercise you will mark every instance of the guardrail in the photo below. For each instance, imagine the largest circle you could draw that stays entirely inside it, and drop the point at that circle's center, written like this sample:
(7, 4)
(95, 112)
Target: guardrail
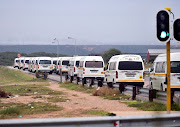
(138, 93)
(115, 121)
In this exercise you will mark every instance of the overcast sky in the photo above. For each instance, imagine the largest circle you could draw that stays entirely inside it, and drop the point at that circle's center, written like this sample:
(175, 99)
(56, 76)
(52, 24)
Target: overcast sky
(88, 21)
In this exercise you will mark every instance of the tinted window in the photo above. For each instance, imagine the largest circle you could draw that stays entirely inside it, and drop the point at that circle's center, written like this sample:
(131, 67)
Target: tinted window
(175, 67)
(17, 61)
(130, 65)
(55, 62)
(97, 64)
(22, 61)
(27, 61)
(65, 62)
(77, 63)
(45, 62)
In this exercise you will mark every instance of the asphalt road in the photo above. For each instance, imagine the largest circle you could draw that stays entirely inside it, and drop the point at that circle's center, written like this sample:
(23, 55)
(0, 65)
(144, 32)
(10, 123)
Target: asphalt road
(56, 77)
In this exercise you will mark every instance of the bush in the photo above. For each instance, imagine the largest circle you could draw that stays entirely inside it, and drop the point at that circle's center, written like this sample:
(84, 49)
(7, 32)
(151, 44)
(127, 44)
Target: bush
(4, 94)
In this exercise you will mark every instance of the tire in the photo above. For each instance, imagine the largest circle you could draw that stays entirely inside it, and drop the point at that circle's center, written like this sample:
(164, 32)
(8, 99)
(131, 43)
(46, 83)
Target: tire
(100, 83)
(110, 85)
(77, 80)
(71, 79)
(37, 75)
(91, 82)
(50, 72)
(66, 77)
(83, 81)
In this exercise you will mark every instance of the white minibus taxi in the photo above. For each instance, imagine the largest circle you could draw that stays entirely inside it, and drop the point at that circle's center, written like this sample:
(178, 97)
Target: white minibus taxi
(91, 68)
(30, 64)
(73, 67)
(63, 64)
(16, 63)
(57, 69)
(26, 63)
(125, 70)
(55, 59)
(159, 70)
(34, 64)
(44, 64)
(21, 62)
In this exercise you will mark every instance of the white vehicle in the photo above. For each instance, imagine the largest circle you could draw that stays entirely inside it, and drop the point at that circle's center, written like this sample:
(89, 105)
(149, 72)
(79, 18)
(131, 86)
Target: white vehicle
(26, 63)
(125, 70)
(44, 64)
(159, 70)
(91, 68)
(54, 63)
(63, 64)
(57, 69)
(16, 63)
(30, 64)
(34, 64)
(73, 67)
(21, 62)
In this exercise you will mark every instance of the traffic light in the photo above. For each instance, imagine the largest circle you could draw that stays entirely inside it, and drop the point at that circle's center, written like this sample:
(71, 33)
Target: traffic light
(176, 30)
(163, 26)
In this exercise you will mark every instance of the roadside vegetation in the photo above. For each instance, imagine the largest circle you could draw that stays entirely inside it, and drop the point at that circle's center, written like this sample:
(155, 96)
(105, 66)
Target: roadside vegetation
(8, 76)
(73, 86)
(30, 89)
(152, 106)
(9, 110)
(114, 94)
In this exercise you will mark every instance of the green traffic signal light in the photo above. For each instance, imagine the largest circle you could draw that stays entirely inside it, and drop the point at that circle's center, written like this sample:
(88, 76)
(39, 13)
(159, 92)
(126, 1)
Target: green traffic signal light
(164, 34)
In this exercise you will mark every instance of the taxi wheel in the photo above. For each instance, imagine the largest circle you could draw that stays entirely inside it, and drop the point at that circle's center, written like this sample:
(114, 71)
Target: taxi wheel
(110, 85)
(77, 80)
(71, 79)
(83, 81)
(100, 83)
(91, 81)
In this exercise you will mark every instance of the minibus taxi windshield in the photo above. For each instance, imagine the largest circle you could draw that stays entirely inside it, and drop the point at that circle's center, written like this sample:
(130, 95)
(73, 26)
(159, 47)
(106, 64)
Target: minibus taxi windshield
(130, 65)
(96, 64)
(45, 62)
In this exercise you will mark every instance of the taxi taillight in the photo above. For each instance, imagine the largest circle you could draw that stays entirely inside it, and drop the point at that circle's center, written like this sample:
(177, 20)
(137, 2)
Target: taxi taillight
(116, 74)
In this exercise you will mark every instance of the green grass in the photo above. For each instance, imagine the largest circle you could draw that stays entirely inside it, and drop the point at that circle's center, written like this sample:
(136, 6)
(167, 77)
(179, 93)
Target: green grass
(14, 76)
(152, 106)
(73, 86)
(8, 110)
(25, 90)
(96, 112)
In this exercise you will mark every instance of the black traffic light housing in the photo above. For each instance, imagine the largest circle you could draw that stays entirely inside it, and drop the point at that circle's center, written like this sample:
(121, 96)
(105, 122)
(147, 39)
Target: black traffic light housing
(176, 30)
(163, 26)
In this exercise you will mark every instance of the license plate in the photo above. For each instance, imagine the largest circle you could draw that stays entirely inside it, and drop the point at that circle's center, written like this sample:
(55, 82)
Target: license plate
(130, 75)
(94, 71)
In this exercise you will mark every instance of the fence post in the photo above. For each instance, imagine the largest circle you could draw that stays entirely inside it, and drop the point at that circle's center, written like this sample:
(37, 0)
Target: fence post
(121, 87)
(134, 93)
(152, 94)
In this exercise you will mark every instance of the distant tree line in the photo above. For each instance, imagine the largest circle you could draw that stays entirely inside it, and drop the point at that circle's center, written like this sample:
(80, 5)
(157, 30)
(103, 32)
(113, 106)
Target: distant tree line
(7, 58)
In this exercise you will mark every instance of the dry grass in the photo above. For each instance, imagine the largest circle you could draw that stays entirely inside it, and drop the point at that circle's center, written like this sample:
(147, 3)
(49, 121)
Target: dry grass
(4, 94)
(105, 91)
(109, 93)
